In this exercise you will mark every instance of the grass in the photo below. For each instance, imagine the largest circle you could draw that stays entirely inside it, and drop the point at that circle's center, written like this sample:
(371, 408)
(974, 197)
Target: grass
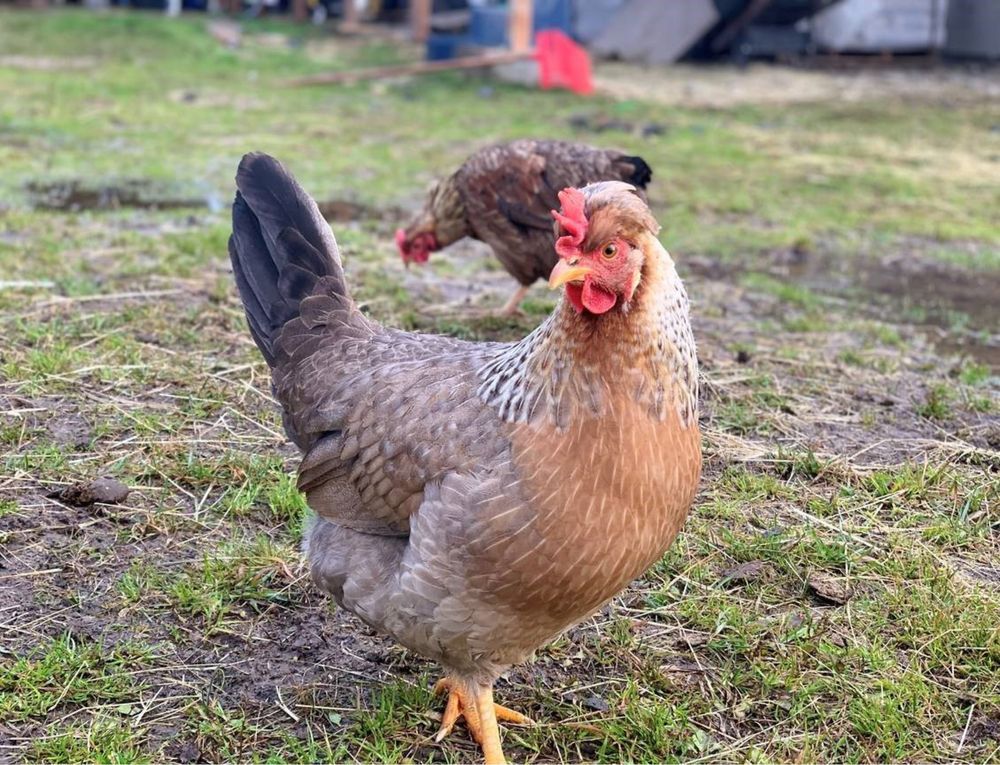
(69, 671)
(835, 595)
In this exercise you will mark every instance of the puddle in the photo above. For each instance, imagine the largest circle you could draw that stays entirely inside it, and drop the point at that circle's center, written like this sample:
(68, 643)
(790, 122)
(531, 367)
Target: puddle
(76, 195)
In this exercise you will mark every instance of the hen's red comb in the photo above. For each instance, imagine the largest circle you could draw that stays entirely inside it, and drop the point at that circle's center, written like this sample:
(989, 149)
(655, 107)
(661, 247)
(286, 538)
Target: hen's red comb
(573, 219)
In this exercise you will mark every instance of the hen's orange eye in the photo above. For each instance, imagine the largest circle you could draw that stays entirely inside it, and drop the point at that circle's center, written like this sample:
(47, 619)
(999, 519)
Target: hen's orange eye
(610, 250)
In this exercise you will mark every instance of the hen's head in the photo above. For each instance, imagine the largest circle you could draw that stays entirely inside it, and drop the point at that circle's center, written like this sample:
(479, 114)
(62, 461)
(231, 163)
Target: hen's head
(603, 232)
(415, 244)
(438, 224)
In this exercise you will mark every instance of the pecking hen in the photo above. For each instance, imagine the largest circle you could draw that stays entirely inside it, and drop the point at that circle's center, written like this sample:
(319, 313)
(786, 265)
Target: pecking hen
(502, 196)
(474, 500)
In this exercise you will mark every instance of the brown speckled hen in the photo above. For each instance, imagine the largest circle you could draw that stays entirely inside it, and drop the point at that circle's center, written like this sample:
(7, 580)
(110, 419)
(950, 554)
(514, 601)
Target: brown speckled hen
(474, 500)
(502, 195)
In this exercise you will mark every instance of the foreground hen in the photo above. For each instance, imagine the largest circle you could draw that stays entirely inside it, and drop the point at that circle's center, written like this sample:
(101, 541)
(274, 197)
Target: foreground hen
(502, 195)
(473, 500)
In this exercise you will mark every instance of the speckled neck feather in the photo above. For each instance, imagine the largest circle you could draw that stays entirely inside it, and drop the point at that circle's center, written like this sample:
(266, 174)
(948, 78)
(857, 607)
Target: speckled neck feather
(573, 364)
(448, 212)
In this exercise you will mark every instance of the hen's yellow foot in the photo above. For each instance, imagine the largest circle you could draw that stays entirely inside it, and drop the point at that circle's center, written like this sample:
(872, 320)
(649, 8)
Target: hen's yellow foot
(480, 713)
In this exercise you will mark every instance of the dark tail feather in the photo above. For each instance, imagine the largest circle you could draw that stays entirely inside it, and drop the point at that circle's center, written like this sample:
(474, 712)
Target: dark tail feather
(281, 248)
(642, 173)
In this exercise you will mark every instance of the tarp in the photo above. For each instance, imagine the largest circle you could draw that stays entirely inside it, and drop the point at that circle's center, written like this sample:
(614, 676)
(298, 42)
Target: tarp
(655, 31)
(591, 17)
(873, 26)
(974, 28)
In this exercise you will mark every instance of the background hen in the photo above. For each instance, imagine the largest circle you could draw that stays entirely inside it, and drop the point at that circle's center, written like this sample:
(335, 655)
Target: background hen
(502, 195)
(474, 500)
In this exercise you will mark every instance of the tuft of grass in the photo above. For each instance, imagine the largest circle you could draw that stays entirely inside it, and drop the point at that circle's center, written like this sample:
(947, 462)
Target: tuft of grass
(70, 671)
(286, 503)
(937, 403)
(252, 575)
(109, 738)
(973, 373)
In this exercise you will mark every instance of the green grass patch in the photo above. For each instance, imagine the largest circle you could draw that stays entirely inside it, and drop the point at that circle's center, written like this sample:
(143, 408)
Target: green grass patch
(71, 671)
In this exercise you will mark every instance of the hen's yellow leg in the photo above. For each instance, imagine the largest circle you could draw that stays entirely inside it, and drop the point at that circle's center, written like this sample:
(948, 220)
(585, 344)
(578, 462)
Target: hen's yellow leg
(476, 705)
(490, 733)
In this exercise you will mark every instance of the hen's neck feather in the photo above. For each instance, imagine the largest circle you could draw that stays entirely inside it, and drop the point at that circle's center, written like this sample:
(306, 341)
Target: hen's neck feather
(448, 212)
(573, 365)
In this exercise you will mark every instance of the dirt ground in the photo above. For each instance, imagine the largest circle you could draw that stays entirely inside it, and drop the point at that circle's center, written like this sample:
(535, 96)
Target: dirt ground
(835, 595)
(858, 79)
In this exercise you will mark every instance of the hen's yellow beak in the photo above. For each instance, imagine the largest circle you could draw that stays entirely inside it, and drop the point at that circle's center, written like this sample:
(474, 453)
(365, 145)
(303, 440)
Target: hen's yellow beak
(564, 272)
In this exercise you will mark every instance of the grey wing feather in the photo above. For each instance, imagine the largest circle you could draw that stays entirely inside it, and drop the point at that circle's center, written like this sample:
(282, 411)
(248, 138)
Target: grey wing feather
(377, 412)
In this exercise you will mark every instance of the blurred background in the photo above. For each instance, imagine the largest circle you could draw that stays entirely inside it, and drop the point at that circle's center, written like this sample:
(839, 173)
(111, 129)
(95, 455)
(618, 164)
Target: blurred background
(827, 175)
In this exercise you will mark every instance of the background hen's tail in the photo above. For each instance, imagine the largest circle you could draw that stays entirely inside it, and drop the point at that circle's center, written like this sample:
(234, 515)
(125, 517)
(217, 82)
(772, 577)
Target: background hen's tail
(642, 173)
(281, 248)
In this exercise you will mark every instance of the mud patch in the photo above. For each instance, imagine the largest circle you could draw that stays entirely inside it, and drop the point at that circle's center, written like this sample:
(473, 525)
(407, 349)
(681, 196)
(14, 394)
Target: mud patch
(76, 195)
(462, 276)
(602, 123)
(350, 211)
(954, 307)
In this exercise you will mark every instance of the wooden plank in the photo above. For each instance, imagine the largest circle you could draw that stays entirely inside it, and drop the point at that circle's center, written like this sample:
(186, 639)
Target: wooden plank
(419, 67)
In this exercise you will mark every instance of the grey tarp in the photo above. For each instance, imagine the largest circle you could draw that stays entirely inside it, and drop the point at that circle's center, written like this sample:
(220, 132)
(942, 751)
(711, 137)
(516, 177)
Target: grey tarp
(655, 31)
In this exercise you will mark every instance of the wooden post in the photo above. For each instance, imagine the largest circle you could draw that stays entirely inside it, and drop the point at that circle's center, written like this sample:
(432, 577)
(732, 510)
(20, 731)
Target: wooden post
(350, 21)
(520, 25)
(420, 19)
